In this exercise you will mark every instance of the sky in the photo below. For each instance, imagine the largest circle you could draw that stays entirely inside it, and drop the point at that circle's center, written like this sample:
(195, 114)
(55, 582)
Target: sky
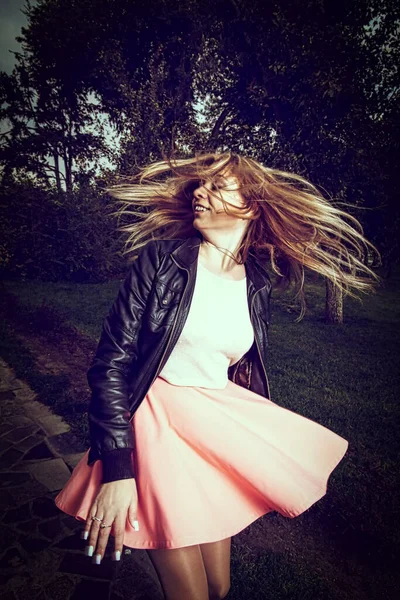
(11, 21)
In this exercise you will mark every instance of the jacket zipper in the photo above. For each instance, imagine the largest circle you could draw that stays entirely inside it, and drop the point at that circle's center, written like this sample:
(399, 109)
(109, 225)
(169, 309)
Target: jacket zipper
(170, 336)
(258, 347)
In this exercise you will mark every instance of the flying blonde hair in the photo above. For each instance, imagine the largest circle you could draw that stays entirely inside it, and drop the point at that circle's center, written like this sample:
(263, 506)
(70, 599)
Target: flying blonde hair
(291, 223)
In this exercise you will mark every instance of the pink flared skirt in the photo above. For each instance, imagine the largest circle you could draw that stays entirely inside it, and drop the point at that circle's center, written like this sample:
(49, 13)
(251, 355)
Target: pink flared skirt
(209, 462)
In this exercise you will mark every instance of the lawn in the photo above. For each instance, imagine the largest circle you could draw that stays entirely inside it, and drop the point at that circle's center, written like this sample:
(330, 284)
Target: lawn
(345, 377)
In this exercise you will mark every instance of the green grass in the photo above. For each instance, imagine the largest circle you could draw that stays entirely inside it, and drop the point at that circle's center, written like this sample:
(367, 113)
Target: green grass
(81, 305)
(345, 377)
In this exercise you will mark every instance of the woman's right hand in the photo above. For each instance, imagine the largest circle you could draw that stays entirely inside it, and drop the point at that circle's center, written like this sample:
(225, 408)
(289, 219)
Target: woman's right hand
(115, 502)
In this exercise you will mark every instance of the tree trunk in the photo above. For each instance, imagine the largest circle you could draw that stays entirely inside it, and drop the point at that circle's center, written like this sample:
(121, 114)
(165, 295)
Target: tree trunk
(211, 142)
(68, 169)
(333, 303)
(387, 268)
(57, 172)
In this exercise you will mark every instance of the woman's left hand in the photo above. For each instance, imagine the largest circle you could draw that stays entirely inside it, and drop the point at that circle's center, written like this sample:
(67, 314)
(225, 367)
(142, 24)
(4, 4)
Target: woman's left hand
(115, 502)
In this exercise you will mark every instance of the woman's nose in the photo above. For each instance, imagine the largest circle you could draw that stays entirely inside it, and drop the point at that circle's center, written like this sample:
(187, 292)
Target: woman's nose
(200, 192)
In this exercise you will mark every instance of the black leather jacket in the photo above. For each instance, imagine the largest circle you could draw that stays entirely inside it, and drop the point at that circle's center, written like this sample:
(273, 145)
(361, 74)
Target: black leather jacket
(139, 334)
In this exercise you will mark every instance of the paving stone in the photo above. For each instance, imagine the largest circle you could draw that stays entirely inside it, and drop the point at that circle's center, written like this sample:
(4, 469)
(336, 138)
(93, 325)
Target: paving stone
(33, 544)
(19, 514)
(29, 591)
(52, 528)
(28, 526)
(19, 580)
(7, 376)
(73, 459)
(4, 445)
(53, 474)
(8, 538)
(72, 542)
(137, 578)
(28, 491)
(10, 458)
(66, 443)
(60, 588)
(38, 452)
(8, 596)
(12, 559)
(20, 420)
(6, 395)
(20, 433)
(71, 523)
(6, 500)
(11, 478)
(5, 428)
(53, 425)
(4, 578)
(36, 410)
(45, 508)
(54, 566)
(91, 589)
(25, 395)
(9, 409)
(5, 371)
(80, 564)
(30, 441)
(9, 384)
(44, 565)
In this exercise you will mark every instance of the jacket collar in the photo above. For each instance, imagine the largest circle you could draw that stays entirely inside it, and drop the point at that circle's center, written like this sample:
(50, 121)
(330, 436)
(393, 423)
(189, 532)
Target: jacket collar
(187, 253)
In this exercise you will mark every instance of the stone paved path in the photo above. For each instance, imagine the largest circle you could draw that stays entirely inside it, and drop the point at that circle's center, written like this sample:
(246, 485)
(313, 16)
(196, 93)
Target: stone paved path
(41, 552)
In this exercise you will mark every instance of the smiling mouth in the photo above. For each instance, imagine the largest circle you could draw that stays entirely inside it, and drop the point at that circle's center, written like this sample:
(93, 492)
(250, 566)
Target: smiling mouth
(200, 209)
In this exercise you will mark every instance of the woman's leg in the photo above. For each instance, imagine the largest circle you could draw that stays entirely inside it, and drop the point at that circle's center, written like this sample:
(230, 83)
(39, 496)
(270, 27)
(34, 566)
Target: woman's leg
(217, 563)
(181, 572)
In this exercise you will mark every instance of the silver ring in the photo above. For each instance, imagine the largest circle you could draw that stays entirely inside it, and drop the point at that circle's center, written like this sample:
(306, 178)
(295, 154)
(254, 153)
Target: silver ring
(96, 518)
(102, 526)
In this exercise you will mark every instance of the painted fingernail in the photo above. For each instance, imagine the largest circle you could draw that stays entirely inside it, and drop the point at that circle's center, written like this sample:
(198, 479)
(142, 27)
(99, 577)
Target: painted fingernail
(89, 550)
(96, 559)
(135, 525)
(117, 555)
(84, 535)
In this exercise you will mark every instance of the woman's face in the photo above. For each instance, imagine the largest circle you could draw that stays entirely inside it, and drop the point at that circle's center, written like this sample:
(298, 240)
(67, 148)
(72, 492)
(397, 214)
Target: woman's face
(215, 217)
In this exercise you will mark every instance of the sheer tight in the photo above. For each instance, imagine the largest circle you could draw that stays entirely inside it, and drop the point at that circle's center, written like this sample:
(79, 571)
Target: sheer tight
(200, 572)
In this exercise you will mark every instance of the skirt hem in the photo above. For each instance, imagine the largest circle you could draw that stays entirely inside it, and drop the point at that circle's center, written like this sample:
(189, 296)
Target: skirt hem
(214, 487)
(181, 542)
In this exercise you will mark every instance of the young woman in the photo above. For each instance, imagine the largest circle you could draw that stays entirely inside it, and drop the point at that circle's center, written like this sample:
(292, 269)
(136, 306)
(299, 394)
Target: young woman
(187, 447)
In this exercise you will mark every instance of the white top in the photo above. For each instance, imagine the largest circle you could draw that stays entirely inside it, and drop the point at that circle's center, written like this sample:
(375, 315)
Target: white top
(216, 334)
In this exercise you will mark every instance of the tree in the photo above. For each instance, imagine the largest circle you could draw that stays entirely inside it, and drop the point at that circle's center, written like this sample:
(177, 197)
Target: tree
(48, 132)
(137, 58)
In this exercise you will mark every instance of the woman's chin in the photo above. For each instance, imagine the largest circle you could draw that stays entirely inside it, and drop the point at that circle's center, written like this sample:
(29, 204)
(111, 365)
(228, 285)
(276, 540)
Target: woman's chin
(197, 225)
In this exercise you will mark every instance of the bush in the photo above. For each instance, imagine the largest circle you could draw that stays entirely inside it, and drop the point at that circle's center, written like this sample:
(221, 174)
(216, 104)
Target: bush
(48, 237)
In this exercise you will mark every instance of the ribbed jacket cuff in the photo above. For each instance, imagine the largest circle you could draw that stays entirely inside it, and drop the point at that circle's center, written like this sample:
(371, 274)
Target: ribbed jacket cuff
(117, 464)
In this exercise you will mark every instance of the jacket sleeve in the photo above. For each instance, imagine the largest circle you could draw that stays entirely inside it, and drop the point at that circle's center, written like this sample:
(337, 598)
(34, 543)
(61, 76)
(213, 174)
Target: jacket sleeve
(110, 429)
